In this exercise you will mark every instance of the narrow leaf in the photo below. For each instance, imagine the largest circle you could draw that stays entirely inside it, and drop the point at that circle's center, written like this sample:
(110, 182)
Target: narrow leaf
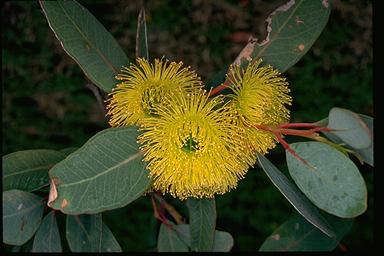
(292, 29)
(333, 184)
(141, 36)
(297, 234)
(105, 173)
(28, 169)
(47, 238)
(85, 40)
(202, 219)
(87, 233)
(295, 196)
(22, 213)
(349, 128)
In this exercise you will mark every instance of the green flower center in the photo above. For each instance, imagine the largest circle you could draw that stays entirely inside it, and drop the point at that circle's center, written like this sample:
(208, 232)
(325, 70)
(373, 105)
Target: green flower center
(190, 145)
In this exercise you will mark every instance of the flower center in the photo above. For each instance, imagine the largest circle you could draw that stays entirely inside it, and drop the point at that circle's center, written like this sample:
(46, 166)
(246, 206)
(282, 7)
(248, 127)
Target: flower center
(150, 99)
(190, 145)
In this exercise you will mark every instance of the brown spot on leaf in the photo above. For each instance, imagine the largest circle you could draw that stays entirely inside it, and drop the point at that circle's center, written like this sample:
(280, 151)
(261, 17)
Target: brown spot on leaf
(64, 203)
(276, 237)
(298, 20)
(301, 47)
(52, 193)
(325, 3)
(23, 222)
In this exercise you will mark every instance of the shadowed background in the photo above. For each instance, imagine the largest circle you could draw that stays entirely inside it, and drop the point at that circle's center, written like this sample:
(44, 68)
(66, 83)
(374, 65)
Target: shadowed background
(47, 102)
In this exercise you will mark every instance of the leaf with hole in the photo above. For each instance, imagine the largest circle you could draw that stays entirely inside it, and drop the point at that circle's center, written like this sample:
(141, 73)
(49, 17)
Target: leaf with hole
(86, 40)
(106, 173)
(28, 169)
(330, 180)
(291, 31)
(22, 213)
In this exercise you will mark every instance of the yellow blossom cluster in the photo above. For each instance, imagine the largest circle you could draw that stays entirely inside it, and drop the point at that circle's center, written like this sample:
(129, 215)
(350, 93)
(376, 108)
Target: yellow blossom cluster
(196, 144)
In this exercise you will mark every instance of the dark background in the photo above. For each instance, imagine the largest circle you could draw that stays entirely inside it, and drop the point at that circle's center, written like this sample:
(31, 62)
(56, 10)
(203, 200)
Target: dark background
(46, 103)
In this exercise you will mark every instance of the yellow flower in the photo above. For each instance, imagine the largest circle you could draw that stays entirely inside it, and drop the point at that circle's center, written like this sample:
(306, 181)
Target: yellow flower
(259, 98)
(192, 148)
(144, 86)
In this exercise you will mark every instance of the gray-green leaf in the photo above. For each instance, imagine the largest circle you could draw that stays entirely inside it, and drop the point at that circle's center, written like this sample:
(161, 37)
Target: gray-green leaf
(292, 29)
(22, 213)
(178, 239)
(295, 196)
(141, 36)
(105, 173)
(85, 39)
(331, 180)
(87, 233)
(349, 128)
(47, 238)
(28, 169)
(297, 234)
(202, 219)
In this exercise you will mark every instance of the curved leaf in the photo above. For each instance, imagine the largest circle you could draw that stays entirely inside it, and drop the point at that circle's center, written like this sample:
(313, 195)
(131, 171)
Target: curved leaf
(349, 128)
(330, 180)
(292, 29)
(22, 213)
(87, 233)
(202, 219)
(28, 169)
(105, 173)
(47, 238)
(295, 196)
(85, 39)
(365, 153)
(297, 234)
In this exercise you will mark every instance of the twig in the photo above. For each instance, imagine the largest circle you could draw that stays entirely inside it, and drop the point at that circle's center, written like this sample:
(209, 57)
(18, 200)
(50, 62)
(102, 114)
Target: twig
(95, 90)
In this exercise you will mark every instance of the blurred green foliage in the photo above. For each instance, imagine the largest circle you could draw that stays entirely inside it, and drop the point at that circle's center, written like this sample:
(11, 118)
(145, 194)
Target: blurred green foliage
(47, 103)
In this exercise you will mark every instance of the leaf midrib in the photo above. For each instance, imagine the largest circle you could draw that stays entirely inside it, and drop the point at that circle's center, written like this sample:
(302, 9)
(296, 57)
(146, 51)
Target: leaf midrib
(129, 159)
(107, 62)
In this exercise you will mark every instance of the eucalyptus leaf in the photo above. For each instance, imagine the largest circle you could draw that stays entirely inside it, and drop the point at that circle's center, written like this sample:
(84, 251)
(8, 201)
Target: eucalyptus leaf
(330, 179)
(85, 40)
(178, 239)
(202, 219)
(47, 238)
(22, 213)
(68, 151)
(28, 169)
(365, 153)
(299, 201)
(297, 234)
(169, 241)
(141, 36)
(87, 233)
(292, 29)
(349, 127)
(107, 172)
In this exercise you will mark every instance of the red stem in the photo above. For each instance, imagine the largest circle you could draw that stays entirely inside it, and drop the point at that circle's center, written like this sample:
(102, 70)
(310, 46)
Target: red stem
(219, 88)
(297, 125)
